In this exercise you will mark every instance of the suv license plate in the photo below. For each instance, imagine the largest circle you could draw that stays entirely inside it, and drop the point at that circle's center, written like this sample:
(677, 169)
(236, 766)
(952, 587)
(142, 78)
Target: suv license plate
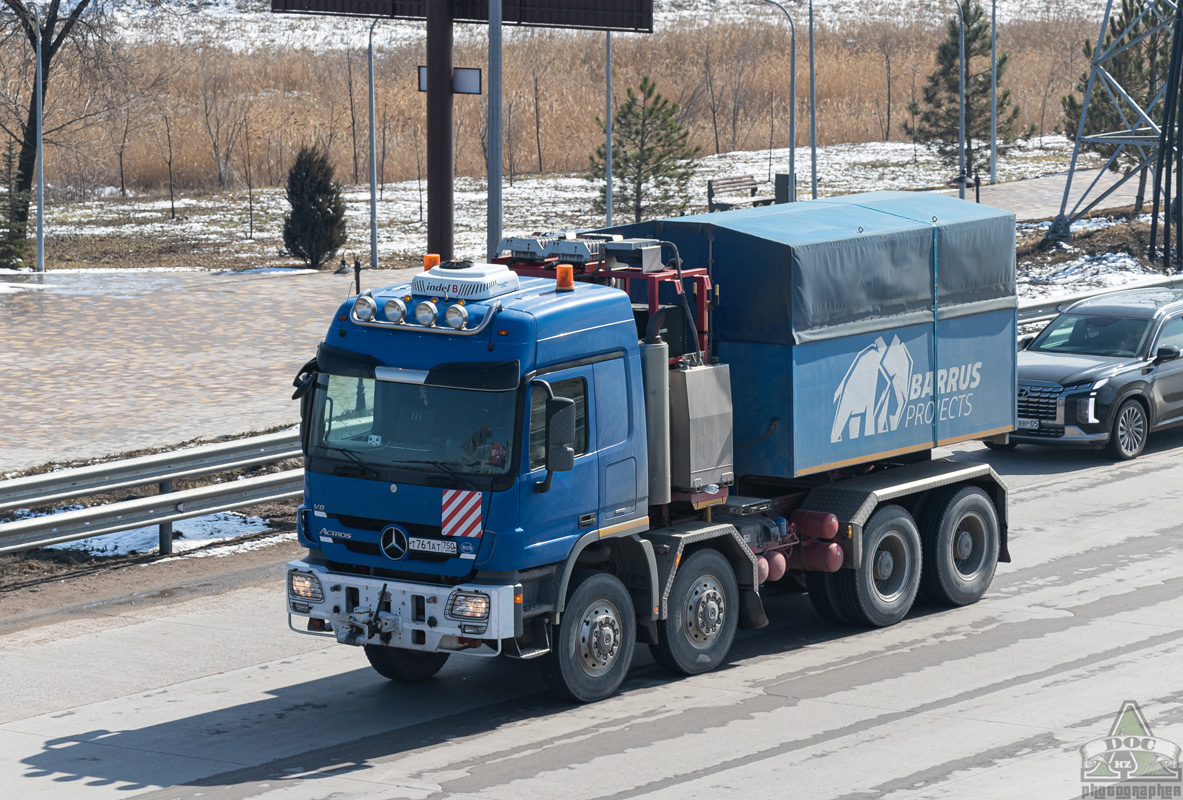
(1028, 424)
(432, 546)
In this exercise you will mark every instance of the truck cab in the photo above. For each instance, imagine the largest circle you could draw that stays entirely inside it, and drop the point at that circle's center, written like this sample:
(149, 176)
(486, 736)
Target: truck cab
(428, 446)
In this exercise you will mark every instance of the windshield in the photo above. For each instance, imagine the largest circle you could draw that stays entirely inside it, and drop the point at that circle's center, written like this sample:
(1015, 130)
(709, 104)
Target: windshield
(384, 424)
(1092, 335)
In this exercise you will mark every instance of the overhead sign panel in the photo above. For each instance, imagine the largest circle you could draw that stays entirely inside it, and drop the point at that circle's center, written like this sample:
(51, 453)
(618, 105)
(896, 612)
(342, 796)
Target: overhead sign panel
(603, 15)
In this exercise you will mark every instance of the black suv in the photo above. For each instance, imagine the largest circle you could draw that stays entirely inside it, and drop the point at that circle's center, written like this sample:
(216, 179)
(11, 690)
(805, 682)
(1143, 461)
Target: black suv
(1106, 372)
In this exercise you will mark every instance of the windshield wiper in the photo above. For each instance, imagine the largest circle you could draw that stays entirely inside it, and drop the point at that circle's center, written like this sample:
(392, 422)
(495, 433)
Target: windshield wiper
(355, 458)
(447, 470)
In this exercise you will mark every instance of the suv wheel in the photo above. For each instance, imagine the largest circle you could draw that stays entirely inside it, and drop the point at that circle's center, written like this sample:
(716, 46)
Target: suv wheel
(1130, 428)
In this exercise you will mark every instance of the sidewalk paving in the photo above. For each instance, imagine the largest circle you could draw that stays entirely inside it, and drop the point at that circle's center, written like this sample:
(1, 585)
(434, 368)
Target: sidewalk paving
(101, 363)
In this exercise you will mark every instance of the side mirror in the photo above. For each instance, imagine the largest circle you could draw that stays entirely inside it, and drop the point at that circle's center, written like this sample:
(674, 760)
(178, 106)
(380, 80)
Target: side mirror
(1026, 341)
(560, 434)
(1168, 352)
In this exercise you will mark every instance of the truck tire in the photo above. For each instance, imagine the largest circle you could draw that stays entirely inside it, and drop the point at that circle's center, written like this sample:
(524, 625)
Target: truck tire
(1127, 438)
(703, 615)
(592, 647)
(402, 665)
(825, 598)
(960, 538)
(881, 591)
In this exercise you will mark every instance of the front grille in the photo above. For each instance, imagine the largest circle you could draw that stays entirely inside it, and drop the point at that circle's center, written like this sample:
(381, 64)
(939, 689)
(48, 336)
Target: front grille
(371, 524)
(1038, 401)
(1044, 433)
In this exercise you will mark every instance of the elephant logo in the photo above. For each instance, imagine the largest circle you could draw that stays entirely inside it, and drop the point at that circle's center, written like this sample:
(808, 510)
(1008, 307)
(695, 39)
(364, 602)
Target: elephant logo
(874, 394)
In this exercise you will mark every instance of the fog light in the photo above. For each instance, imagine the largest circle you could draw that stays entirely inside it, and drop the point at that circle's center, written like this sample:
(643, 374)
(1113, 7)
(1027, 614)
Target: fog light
(1086, 410)
(468, 605)
(396, 310)
(426, 313)
(457, 316)
(305, 587)
(364, 308)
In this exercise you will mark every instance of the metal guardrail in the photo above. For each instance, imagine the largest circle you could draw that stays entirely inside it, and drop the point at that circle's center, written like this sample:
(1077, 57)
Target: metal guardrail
(25, 534)
(163, 468)
(115, 475)
(1044, 310)
(162, 509)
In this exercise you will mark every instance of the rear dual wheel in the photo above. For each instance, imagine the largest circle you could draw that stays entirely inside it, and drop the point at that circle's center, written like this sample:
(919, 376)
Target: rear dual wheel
(961, 537)
(881, 591)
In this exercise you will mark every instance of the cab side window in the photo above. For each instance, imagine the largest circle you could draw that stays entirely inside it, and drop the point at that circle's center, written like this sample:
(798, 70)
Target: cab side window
(574, 388)
(1172, 333)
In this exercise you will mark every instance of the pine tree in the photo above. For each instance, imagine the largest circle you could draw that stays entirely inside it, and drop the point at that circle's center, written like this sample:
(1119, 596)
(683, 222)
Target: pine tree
(315, 228)
(1140, 70)
(14, 247)
(652, 160)
(937, 114)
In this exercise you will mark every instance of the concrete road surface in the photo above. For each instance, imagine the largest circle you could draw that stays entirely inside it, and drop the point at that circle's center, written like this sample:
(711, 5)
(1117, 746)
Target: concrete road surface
(215, 698)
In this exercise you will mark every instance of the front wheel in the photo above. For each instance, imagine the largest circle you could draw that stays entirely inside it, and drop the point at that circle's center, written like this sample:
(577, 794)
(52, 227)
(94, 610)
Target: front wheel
(961, 540)
(703, 614)
(592, 646)
(404, 666)
(881, 591)
(1130, 427)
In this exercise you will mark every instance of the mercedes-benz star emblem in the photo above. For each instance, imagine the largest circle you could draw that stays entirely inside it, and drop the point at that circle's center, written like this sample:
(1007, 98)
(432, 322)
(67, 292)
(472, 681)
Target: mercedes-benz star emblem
(393, 543)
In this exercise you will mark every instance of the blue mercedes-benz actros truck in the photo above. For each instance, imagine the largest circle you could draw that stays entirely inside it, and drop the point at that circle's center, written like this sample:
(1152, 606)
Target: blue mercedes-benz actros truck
(621, 436)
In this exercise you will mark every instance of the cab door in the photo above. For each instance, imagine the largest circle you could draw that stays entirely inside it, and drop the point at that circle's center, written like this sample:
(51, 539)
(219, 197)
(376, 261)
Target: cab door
(1168, 376)
(552, 521)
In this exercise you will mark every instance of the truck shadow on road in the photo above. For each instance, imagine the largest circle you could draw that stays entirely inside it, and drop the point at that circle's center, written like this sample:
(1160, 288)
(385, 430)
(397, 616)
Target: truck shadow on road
(383, 729)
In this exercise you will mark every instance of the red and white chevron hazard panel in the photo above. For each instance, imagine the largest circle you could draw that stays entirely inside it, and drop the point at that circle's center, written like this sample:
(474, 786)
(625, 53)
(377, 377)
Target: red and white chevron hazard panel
(461, 513)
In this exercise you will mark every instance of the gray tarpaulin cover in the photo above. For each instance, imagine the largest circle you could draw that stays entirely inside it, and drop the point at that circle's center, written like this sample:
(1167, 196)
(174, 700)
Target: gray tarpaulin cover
(820, 269)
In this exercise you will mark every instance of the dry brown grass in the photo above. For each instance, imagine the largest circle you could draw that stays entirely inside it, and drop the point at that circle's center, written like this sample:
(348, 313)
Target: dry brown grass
(731, 81)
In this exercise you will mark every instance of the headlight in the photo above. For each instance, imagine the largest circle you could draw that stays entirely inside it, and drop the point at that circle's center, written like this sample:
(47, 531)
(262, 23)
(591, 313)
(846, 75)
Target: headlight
(396, 310)
(305, 587)
(426, 313)
(364, 308)
(468, 605)
(457, 316)
(1085, 387)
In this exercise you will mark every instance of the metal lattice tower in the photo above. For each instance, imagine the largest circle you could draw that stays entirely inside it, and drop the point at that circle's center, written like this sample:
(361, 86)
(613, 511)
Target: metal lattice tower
(1140, 128)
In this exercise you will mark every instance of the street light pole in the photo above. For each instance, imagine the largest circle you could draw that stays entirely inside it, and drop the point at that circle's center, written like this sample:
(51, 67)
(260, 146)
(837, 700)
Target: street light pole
(792, 100)
(993, 92)
(493, 167)
(961, 104)
(812, 112)
(39, 91)
(373, 164)
(608, 128)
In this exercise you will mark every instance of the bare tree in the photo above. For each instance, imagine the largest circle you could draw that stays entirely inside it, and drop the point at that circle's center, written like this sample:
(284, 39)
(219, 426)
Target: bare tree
(714, 99)
(224, 108)
(81, 26)
(891, 39)
(352, 109)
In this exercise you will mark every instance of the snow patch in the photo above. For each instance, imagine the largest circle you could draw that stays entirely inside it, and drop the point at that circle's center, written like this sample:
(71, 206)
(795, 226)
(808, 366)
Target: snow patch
(188, 534)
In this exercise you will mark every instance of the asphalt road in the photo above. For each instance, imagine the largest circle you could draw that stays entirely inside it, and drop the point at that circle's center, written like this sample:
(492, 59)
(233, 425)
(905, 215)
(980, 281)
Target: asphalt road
(214, 698)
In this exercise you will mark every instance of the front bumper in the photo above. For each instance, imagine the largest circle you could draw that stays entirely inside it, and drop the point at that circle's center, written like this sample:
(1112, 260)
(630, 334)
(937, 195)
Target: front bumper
(1065, 436)
(366, 610)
